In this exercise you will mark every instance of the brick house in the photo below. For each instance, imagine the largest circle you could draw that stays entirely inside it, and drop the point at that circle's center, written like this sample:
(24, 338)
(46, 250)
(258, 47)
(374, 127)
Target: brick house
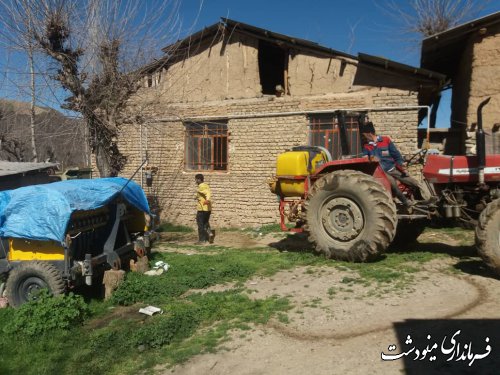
(226, 100)
(469, 55)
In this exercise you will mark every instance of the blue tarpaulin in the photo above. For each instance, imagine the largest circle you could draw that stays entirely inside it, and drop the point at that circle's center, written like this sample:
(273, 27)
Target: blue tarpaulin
(42, 212)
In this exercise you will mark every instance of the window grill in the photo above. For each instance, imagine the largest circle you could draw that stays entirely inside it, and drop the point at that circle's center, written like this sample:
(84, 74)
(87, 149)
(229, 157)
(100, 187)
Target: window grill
(325, 131)
(206, 146)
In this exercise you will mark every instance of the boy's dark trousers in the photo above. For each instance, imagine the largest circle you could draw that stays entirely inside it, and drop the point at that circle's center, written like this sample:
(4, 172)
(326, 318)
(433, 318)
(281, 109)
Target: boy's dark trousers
(202, 218)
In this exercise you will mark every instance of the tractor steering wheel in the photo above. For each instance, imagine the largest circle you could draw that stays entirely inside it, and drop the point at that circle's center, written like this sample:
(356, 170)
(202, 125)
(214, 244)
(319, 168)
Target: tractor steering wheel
(419, 156)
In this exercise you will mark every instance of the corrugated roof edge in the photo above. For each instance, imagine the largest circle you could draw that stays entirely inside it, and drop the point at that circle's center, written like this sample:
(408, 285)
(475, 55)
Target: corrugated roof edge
(387, 64)
(8, 168)
(463, 29)
(293, 42)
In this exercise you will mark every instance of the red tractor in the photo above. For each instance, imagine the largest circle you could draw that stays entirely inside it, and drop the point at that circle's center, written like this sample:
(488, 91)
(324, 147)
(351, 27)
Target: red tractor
(348, 210)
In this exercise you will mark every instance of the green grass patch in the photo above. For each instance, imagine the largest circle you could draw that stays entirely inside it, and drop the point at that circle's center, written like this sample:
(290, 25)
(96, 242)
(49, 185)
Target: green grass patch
(331, 292)
(37, 317)
(191, 323)
(270, 228)
(200, 271)
(396, 266)
(283, 318)
(464, 237)
(194, 325)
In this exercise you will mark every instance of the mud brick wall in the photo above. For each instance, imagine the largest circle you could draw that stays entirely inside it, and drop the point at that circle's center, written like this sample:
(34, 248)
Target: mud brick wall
(485, 78)
(477, 78)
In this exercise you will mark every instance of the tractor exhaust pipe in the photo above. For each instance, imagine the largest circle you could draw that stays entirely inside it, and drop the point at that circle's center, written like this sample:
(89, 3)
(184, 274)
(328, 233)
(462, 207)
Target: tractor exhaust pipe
(481, 141)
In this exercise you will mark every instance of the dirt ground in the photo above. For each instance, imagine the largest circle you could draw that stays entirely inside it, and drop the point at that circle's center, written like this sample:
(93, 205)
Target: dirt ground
(344, 329)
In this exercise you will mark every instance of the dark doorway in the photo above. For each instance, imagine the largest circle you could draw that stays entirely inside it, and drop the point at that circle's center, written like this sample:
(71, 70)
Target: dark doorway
(272, 65)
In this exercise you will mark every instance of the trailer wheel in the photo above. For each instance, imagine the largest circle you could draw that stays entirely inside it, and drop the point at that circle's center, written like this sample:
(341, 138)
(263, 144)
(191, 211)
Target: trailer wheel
(407, 232)
(488, 235)
(350, 216)
(25, 281)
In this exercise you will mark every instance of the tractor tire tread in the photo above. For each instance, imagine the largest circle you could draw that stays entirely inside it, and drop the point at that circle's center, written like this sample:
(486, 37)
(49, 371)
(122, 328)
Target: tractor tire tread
(488, 227)
(382, 231)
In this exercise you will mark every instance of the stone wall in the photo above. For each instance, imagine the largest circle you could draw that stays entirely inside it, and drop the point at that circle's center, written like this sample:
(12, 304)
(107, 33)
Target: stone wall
(240, 194)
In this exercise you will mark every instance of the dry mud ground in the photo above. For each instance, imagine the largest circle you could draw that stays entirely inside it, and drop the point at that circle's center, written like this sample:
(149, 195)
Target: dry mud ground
(336, 328)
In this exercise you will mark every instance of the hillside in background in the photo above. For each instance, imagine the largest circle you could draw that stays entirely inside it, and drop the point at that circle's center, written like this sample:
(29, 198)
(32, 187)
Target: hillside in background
(58, 138)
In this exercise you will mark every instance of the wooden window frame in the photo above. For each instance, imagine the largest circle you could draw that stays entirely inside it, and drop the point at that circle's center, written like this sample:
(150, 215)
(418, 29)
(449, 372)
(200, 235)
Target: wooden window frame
(327, 127)
(212, 147)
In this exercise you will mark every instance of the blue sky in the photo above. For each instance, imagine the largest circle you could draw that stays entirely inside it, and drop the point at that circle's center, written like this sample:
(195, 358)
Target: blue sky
(350, 25)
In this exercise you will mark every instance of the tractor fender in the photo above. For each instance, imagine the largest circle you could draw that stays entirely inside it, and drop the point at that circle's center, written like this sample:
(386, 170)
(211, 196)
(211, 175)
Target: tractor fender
(371, 168)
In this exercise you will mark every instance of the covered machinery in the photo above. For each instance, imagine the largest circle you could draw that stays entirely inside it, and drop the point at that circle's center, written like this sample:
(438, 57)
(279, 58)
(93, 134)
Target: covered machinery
(67, 233)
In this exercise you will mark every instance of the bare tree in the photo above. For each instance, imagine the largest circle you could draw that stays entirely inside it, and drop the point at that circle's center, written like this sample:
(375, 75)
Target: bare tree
(59, 138)
(24, 43)
(429, 17)
(97, 48)
(11, 149)
(31, 60)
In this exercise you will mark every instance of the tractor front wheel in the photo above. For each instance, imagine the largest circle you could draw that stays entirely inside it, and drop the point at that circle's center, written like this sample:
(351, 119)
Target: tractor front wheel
(350, 216)
(26, 281)
(488, 235)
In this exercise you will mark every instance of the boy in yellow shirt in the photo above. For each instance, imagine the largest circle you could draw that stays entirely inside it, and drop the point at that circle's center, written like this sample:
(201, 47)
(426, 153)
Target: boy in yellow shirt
(203, 210)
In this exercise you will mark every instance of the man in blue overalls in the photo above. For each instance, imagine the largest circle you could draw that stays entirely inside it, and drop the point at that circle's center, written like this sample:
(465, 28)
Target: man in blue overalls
(382, 149)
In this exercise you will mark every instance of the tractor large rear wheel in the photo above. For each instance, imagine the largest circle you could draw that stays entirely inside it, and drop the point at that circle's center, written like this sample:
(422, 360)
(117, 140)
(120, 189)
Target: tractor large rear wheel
(488, 235)
(26, 281)
(350, 216)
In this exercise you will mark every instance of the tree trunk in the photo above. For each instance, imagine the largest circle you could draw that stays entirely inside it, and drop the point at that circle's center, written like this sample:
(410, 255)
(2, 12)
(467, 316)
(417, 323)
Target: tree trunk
(98, 144)
(33, 99)
(102, 160)
(88, 153)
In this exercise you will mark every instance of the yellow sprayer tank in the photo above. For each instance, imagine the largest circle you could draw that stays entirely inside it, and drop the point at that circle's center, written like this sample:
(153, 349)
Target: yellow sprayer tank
(293, 167)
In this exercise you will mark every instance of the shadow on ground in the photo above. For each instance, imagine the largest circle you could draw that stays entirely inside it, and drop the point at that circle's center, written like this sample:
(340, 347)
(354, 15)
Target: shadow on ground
(475, 267)
(436, 248)
(296, 242)
(468, 260)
